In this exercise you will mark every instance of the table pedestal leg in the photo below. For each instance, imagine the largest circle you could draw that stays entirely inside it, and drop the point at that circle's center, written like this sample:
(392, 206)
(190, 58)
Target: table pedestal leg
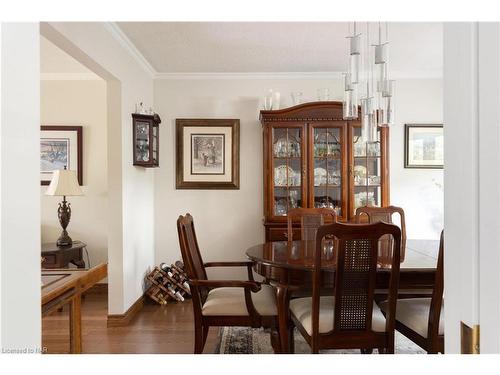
(75, 325)
(282, 294)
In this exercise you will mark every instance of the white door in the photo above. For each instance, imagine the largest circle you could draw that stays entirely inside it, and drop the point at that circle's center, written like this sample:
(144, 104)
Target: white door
(472, 182)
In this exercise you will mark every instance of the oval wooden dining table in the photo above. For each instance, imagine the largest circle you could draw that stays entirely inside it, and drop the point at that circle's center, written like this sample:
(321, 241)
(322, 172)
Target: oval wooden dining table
(289, 266)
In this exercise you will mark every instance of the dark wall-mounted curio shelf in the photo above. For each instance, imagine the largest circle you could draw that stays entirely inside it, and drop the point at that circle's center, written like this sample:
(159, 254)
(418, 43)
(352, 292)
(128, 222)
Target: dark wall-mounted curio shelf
(146, 140)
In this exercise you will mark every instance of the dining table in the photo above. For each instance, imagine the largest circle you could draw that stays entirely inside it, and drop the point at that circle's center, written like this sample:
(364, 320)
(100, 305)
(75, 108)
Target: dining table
(289, 265)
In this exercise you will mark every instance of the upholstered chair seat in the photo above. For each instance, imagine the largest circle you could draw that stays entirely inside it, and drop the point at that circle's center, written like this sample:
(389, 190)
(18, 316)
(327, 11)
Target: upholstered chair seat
(220, 303)
(414, 314)
(231, 302)
(301, 308)
(422, 319)
(347, 317)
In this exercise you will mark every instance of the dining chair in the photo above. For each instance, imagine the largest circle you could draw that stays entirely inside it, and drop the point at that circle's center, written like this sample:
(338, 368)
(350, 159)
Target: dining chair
(385, 214)
(224, 302)
(310, 220)
(348, 318)
(422, 319)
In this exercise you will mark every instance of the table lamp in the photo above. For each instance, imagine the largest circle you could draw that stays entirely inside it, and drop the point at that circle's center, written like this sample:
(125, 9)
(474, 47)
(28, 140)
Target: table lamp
(64, 183)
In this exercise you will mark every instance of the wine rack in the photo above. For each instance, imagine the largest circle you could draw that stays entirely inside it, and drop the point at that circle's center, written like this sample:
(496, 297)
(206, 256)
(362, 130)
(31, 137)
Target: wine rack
(168, 283)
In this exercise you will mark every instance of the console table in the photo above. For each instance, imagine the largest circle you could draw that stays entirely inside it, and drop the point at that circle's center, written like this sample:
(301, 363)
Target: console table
(59, 257)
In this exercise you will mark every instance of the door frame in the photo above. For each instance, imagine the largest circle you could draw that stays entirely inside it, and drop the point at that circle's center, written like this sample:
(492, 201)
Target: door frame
(471, 88)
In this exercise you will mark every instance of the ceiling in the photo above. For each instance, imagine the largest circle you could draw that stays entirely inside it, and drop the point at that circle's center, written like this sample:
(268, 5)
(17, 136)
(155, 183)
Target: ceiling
(278, 47)
(57, 64)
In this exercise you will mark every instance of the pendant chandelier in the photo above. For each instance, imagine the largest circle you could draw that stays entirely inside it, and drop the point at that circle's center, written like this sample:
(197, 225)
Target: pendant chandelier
(367, 84)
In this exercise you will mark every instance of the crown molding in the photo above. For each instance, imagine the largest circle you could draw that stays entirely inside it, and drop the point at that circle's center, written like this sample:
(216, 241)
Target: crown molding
(283, 75)
(251, 75)
(70, 77)
(126, 43)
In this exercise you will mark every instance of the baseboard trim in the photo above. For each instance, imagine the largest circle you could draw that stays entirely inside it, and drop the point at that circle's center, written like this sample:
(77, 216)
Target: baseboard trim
(121, 320)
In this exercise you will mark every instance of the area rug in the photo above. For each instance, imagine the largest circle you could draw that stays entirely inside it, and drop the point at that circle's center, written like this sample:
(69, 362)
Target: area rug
(244, 340)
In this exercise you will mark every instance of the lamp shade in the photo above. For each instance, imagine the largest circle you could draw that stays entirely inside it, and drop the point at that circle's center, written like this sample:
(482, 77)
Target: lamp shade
(64, 182)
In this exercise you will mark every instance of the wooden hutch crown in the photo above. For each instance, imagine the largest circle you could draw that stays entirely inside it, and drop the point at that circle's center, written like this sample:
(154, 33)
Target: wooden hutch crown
(313, 158)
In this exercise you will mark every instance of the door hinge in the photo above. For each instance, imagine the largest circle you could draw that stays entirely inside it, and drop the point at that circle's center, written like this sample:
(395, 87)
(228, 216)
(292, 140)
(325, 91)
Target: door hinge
(469, 339)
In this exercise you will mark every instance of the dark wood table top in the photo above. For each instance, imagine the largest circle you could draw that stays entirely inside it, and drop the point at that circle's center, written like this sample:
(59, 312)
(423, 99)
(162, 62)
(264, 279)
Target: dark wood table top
(299, 255)
(51, 247)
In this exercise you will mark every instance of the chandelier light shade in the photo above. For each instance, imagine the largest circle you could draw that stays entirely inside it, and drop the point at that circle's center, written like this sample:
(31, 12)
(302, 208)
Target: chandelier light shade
(367, 80)
(385, 86)
(380, 53)
(354, 68)
(368, 121)
(352, 78)
(350, 103)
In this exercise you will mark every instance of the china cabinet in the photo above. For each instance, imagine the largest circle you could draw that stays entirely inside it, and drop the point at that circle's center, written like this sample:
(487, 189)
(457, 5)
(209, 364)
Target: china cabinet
(313, 158)
(146, 139)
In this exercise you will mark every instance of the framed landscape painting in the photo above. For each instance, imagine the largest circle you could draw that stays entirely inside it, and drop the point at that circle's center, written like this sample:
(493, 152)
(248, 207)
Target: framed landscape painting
(424, 146)
(60, 146)
(207, 154)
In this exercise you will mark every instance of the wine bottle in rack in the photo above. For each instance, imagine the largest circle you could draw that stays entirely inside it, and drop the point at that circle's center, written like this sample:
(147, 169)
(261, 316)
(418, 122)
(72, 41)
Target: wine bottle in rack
(182, 276)
(170, 271)
(159, 278)
(179, 272)
(171, 292)
(179, 296)
(175, 291)
(165, 267)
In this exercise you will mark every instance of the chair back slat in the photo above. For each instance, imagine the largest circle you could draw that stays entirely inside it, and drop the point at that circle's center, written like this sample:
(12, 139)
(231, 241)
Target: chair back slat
(354, 296)
(356, 272)
(385, 214)
(189, 248)
(310, 220)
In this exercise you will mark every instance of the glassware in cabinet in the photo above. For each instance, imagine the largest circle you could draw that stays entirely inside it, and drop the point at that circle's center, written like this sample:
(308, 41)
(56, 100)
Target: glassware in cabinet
(287, 169)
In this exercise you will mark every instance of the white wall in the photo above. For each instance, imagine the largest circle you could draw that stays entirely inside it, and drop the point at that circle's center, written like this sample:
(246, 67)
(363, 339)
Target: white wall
(228, 222)
(131, 189)
(20, 320)
(418, 191)
(81, 103)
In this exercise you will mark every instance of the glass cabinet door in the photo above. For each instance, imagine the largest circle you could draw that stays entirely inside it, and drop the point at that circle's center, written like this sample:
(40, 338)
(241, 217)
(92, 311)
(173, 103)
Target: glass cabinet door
(287, 169)
(366, 173)
(155, 144)
(142, 141)
(326, 168)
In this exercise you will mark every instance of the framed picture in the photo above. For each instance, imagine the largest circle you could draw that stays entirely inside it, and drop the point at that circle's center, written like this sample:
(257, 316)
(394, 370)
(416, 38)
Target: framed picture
(424, 146)
(60, 146)
(208, 154)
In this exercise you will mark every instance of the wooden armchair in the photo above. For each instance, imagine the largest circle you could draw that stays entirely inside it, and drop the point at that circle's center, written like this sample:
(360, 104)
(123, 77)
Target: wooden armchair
(310, 220)
(385, 214)
(348, 318)
(224, 302)
(421, 319)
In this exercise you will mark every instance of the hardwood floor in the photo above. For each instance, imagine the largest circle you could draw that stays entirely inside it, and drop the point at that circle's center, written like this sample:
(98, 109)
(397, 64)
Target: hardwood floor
(156, 329)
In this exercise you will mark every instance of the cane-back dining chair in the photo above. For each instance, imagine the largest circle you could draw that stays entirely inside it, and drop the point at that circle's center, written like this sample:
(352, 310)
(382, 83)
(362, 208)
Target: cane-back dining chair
(422, 319)
(224, 302)
(310, 220)
(348, 318)
(385, 214)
